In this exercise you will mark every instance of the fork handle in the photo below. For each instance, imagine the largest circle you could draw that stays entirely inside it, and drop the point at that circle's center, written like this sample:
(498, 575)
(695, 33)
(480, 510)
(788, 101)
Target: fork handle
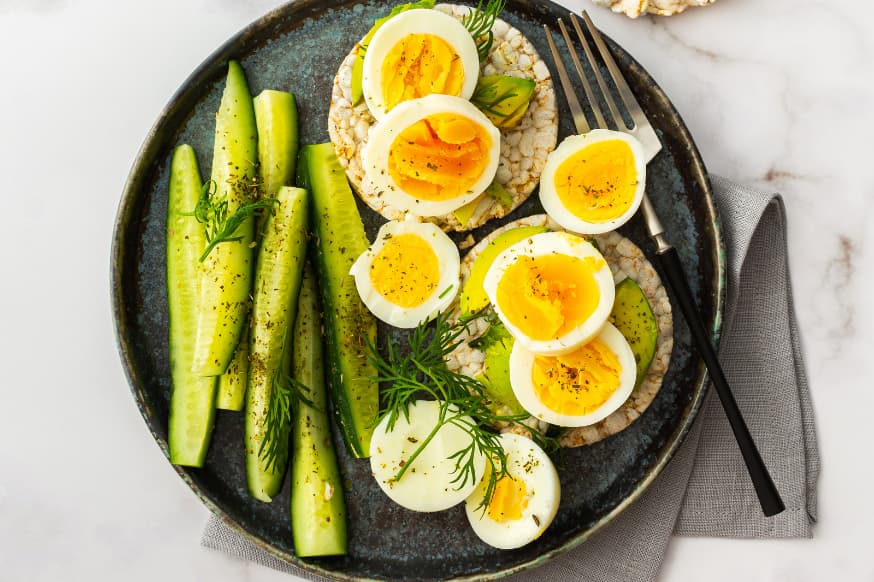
(768, 495)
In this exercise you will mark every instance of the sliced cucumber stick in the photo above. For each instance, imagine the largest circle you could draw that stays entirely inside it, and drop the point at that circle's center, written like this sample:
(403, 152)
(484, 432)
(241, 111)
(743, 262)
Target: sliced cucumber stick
(276, 121)
(348, 324)
(318, 510)
(232, 384)
(191, 396)
(227, 270)
(277, 283)
(276, 118)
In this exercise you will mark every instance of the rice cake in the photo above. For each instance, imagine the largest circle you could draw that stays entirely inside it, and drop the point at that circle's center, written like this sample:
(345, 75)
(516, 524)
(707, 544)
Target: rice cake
(625, 260)
(524, 148)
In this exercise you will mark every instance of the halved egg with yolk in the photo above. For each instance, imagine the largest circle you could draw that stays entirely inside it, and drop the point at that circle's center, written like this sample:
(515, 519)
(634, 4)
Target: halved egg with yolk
(579, 388)
(408, 274)
(417, 53)
(594, 182)
(553, 291)
(525, 500)
(432, 155)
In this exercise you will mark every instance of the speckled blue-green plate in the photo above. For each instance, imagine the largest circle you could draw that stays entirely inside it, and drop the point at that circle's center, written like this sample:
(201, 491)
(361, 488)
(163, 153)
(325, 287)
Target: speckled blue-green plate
(298, 48)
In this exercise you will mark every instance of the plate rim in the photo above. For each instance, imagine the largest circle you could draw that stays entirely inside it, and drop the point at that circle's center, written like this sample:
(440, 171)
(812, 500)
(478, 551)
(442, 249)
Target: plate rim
(141, 167)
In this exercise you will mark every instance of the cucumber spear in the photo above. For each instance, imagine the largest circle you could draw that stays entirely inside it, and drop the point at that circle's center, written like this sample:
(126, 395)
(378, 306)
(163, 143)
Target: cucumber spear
(269, 393)
(276, 121)
(227, 211)
(191, 396)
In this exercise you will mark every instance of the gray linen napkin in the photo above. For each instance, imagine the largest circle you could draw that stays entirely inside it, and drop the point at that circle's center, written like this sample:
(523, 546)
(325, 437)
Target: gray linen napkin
(705, 490)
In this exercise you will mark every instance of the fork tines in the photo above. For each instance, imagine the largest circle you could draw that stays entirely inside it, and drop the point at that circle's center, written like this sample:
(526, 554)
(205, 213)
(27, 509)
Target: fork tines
(640, 127)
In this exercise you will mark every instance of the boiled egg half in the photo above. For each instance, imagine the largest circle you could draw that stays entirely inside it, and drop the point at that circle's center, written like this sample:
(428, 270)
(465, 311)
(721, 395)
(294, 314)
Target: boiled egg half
(409, 273)
(594, 182)
(432, 155)
(525, 500)
(417, 53)
(579, 388)
(553, 291)
(430, 482)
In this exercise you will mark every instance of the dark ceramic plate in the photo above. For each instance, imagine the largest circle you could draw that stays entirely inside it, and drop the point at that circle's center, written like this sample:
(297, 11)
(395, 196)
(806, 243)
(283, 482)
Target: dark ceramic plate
(298, 47)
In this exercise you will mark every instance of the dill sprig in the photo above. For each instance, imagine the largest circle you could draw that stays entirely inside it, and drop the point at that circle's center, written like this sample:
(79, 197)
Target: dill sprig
(287, 393)
(487, 99)
(213, 214)
(408, 375)
(479, 23)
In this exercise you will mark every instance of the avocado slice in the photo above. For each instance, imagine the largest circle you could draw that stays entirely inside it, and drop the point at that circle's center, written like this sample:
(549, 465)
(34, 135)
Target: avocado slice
(496, 344)
(473, 295)
(633, 317)
(504, 99)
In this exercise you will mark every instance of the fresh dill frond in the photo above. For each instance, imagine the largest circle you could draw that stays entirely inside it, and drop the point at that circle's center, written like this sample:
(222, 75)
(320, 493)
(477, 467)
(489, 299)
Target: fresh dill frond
(213, 214)
(286, 394)
(487, 99)
(479, 23)
(408, 375)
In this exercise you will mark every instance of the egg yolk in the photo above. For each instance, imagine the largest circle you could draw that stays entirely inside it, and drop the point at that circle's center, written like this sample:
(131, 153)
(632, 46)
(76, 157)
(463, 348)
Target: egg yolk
(509, 500)
(598, 183)
(577, 383)
(439, 157)
(419, 65)
(547, 296)
(405, 270)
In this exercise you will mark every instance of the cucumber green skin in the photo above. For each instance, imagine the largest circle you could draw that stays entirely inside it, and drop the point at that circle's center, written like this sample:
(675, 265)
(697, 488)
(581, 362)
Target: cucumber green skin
(276, 119)
(277, 284)
(232, 384)
(349, 326)
(226, 275)
(318, 524)
(276, 122)
(191, 397)
(633, 317)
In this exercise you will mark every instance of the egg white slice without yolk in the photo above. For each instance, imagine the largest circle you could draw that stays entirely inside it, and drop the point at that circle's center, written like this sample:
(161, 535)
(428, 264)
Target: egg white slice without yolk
(409, 273)
(553, 291)
(429, 483)
(432, 155)
(524, 504)
(594, 183)
(579, 388)
(417, 53)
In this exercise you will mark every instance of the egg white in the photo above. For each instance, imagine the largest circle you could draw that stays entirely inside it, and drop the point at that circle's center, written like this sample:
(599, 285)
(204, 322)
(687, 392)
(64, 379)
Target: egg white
(376, 153)
(528, 462)
(553, 204)
(427, 484)
(544, 244)
(448, 262)
(417, 21)
(522, 360)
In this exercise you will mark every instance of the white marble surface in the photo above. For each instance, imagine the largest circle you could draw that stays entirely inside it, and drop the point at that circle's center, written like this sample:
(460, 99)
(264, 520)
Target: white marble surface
(778, 94)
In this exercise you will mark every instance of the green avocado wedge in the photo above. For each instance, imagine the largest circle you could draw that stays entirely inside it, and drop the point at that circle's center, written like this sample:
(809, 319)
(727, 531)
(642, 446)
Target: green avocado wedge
(633, 317)
(496, 345)
(473, 295)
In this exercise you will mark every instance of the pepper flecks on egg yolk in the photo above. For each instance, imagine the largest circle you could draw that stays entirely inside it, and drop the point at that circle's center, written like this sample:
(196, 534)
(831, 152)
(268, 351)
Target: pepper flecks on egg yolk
(577, 383)
(439, 157)
(599, 182)
(405, 271)
(547, 296)
(419, 65)
(509, 499)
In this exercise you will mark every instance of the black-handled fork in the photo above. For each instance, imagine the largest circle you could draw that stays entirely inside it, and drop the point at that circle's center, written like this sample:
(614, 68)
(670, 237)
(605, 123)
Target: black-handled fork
(666, 255)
